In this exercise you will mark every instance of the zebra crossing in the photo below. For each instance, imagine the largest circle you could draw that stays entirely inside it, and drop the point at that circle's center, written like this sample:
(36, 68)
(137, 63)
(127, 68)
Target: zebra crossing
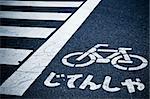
(30, 32)
(55, 39)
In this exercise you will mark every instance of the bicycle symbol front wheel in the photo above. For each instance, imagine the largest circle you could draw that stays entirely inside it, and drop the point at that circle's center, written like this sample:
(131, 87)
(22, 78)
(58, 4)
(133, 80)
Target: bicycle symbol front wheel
(66, 62)
(115, 62)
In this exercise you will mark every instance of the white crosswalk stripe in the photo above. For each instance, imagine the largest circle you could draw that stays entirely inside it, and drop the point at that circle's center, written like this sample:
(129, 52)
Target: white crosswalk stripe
(34, 15)
(43, 3)
(7, 55)
(28, 32)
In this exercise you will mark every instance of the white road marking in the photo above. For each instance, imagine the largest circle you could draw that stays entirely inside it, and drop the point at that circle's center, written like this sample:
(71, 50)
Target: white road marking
(107, 50)
(106, 84)
(131, 85)
(88, 82)
(7, 55)
(19, 80)
(48, 83)
(65, 60)
(44, 55)
(72, 79)
(34, 15)
(42, 3)
(28, 32)
(117, 60)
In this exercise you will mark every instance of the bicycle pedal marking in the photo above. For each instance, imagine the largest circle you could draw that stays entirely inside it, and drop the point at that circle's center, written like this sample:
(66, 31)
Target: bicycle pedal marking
(117, 57)
(71, 80)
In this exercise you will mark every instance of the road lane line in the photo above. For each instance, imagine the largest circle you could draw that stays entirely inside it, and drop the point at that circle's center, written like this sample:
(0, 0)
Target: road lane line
(28, 32)
(34, 15)
(11, 56)
(44, 55)
(42, 3)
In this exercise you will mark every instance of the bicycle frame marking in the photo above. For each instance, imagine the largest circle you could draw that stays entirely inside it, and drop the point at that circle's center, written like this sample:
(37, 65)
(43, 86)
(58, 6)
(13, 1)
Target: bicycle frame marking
(114, 58)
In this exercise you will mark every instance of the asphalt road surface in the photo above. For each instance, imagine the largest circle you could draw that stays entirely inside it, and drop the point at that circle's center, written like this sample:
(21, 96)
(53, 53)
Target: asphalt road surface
(35, 37)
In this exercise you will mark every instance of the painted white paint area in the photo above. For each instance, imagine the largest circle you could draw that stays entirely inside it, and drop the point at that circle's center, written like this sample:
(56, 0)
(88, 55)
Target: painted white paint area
(131, 85)
(117, 60)
(72, 79)
(19, 82)
(34, 15)
(28, 32)
(106, 84)
(106, 50)
(7, 55)
(44, 55)
(48, 83)
(65, 60)
(42, 3)
(88, 82)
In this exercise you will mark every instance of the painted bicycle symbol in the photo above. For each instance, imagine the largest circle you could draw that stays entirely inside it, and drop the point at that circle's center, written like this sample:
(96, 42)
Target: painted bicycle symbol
(118, 58)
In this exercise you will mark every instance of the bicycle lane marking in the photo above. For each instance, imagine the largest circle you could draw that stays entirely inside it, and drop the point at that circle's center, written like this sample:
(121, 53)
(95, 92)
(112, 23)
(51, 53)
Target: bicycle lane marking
(18, 83)
(113, 58)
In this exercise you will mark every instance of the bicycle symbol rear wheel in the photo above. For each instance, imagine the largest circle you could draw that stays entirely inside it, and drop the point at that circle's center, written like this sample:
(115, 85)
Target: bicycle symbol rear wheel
(67, 63)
